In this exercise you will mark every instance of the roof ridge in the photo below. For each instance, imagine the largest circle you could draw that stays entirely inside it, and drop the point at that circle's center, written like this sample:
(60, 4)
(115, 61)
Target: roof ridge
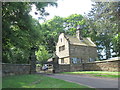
(74, 40)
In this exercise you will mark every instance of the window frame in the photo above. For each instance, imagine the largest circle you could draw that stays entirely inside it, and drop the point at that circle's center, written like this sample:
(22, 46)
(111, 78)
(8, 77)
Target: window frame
(62, 61)
(62, 48)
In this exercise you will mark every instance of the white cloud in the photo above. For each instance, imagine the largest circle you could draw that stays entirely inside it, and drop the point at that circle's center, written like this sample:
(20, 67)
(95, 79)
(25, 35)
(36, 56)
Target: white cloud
(33, 12)
(66, 8)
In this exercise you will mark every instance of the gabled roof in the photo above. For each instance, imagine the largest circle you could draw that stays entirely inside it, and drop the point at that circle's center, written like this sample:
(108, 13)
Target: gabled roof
(75, 41)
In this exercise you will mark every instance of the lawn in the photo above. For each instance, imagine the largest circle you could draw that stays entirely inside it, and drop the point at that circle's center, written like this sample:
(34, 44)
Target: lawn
(36, 81)
(97, 73)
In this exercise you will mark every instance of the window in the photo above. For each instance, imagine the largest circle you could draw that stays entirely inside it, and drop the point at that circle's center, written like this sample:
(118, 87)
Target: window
(91, 60)
(76, 60)
(61, 39)
(61, 48)
(79, 60)
(62, 60)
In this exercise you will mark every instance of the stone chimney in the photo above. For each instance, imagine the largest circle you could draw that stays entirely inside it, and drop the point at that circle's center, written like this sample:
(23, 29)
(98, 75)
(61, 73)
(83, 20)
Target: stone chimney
(78, 34)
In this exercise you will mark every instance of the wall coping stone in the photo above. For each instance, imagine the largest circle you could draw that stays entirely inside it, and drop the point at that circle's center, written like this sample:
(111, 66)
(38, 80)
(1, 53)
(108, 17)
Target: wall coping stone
(104, 61)
(15, 64)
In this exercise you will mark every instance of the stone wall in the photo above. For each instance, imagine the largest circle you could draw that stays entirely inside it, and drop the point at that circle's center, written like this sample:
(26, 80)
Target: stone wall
(107, 65)
(15, 69)
(63, 68)
(76, 67)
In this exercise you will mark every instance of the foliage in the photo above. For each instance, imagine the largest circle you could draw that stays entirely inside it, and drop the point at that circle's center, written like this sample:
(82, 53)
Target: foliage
(116, 43)
(103, 23)
(42, 54)
(52, 28)
(74, 22)
(20, 31)
(37, 81)
(38, 65)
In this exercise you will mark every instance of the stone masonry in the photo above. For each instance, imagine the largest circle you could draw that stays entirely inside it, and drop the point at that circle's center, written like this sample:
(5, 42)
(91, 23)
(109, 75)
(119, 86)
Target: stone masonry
(71, 49)
(15, 69)
(107, 65)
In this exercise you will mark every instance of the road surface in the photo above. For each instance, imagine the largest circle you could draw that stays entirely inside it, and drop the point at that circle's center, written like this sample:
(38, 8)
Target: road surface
(93, 82)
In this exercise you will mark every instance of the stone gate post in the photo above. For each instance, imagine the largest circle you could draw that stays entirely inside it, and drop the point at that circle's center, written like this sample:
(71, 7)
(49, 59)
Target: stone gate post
(33, 61)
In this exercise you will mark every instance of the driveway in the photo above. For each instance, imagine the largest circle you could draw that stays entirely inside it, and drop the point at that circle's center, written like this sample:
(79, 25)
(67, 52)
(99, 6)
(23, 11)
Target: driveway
(93, 82)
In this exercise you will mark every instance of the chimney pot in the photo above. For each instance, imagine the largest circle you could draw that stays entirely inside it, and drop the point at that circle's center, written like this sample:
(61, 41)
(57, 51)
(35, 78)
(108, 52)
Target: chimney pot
(78, 34)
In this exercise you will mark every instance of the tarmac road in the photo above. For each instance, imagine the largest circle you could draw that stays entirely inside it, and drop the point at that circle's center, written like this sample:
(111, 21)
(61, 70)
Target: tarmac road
(93, 82)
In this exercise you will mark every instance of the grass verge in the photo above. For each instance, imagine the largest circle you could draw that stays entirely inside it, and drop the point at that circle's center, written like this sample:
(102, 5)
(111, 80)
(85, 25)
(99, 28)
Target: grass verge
(110, 76)
(97, 73)
(36, 81)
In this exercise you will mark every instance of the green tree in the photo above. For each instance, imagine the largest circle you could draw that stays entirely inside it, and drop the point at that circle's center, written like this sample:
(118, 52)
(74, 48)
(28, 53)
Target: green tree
(72, 22)
(52, 28)
(20, 31)
(42, 54)
(116, 44)
(103, 25)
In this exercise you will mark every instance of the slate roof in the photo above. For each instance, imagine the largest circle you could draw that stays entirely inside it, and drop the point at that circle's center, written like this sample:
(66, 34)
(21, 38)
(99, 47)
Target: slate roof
(75, 41)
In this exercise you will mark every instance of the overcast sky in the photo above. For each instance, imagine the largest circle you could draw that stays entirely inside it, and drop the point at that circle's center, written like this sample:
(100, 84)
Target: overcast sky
(66, 8)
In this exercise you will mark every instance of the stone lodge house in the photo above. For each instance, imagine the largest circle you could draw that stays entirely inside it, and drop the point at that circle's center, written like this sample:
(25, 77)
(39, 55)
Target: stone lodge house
(75, 50)
(72, 52)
